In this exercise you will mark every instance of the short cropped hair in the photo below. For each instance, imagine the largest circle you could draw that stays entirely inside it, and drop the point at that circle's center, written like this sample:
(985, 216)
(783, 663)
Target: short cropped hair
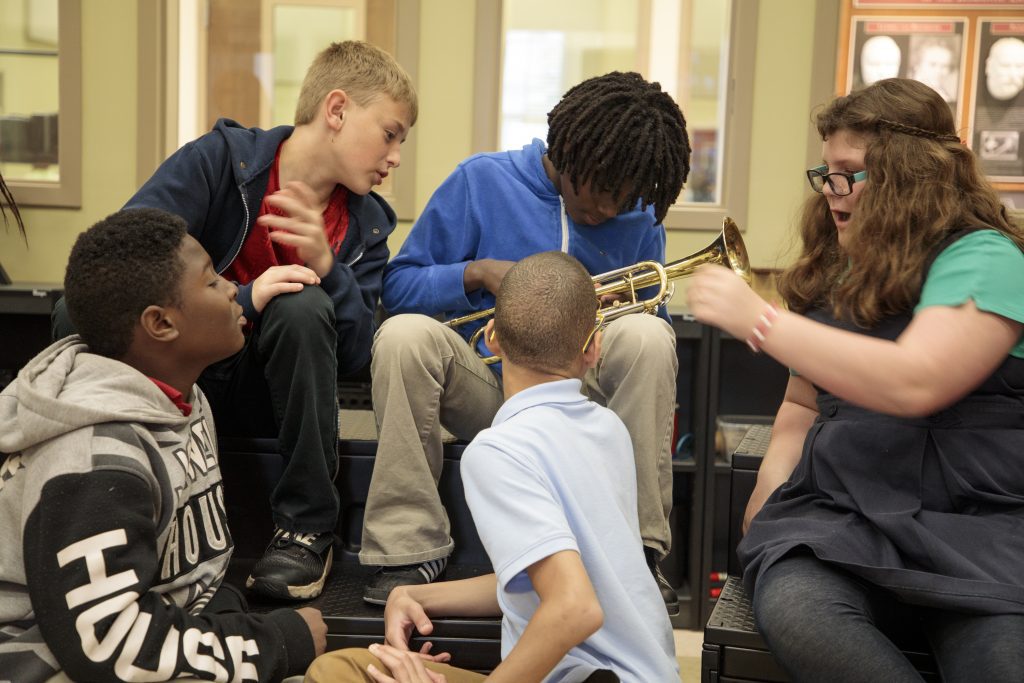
(363, 71)
(118, 267)
(622, 135)
(545, 310)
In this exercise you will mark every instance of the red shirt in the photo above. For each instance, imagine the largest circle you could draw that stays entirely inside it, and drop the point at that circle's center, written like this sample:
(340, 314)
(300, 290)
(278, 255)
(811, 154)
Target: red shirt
(259, 252)
(176, 396)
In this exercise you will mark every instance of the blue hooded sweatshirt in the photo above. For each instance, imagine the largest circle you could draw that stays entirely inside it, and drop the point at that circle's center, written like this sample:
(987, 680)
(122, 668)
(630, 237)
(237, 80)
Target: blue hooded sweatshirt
(502, 205)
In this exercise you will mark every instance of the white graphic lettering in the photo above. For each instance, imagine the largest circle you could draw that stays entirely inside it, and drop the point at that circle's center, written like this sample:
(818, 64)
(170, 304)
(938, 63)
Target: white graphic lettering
(126, 608)
(191, 641)
(196, 534)
(125, 666)
(190, 535)
(198, 457)
(91, 550)
(171, 563)
(213, 523)
(202, 436)
(182, 457)
(237, 648)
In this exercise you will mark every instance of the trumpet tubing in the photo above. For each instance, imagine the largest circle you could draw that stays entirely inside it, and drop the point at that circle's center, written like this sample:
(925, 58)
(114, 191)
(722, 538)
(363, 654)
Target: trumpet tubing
(727, 250)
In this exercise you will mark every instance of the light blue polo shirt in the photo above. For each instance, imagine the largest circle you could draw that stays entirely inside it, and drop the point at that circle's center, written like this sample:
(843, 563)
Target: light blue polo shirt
(555, 472)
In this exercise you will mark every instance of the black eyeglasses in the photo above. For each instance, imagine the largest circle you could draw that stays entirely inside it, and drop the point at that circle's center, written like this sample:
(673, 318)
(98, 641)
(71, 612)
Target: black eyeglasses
(841, 183)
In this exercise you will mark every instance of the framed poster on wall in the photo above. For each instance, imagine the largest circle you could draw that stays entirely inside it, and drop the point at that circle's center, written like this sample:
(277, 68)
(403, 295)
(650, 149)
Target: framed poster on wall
(997, 111)
(927, 50)
(969, 51)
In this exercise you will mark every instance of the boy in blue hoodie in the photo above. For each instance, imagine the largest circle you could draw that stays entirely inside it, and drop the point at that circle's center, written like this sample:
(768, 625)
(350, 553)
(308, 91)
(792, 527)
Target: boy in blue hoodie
(289, 215)
(616, 157)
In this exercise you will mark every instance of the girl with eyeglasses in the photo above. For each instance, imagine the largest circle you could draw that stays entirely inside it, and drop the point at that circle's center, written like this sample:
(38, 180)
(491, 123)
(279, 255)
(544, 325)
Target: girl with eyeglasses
(893, 487)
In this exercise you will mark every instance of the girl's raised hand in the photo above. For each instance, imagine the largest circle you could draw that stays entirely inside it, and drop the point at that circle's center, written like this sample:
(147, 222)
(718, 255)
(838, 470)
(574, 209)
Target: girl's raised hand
(718, 296)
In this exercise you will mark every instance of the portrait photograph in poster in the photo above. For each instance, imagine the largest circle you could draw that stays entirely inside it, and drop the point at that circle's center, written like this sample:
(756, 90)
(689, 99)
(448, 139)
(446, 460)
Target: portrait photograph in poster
(997, 112)
(928, 50)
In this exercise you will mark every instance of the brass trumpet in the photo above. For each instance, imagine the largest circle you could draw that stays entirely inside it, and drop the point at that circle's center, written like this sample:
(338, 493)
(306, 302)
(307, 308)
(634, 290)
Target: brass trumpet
(727, 250)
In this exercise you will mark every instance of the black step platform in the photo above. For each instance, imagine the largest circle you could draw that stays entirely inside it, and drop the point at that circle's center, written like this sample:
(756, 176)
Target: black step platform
(734, 651)
(250, 469)
(474, 643)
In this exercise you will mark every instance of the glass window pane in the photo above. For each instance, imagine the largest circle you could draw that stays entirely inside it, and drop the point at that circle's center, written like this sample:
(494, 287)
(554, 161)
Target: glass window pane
(703, 99)
(258, 54)
(29, 90)
(549, 47)
(300, 32)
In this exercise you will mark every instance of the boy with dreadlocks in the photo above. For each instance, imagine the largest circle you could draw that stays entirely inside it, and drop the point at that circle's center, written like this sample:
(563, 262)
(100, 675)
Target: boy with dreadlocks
(616, 159)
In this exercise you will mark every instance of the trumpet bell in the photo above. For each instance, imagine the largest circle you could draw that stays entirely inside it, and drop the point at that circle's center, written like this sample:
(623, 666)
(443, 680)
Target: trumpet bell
(734, 252)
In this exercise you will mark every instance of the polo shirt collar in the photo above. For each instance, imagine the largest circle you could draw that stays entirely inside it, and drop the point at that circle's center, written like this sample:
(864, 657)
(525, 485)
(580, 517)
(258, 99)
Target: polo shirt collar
(560, 391)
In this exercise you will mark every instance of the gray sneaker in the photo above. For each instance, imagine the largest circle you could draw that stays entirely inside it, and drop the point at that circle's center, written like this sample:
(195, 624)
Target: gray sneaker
(388, 578)
(668, 593)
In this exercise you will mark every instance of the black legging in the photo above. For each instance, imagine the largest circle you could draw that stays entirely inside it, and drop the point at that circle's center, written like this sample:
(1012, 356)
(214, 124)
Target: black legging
(825, 624)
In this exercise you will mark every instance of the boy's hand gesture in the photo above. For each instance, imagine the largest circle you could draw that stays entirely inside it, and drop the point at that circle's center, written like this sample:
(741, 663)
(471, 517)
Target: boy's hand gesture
(302, 226)
(405, 667)
(280, 280)
(401, 615)
(317, 628)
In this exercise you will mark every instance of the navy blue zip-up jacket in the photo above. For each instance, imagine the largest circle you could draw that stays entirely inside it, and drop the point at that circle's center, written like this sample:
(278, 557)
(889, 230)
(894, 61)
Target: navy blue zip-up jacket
(217, 182)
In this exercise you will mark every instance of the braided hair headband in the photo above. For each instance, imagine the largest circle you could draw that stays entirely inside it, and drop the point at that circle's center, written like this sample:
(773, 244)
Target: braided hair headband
(915, 131)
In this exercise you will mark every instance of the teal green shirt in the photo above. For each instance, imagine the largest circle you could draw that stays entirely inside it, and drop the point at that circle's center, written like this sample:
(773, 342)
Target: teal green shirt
(985, 267)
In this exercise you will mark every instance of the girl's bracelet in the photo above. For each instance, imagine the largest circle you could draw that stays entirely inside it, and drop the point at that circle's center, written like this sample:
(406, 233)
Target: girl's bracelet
(761, 327)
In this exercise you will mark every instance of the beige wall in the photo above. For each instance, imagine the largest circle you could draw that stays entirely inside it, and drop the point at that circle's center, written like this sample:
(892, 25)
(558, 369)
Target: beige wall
(778, 158)
(778, 155)
(785, 36)
(108, 140)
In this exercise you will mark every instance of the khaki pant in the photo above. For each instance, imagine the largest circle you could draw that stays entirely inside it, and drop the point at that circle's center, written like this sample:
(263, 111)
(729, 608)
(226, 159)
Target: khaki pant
(63, 678)
(342, 666)
(425, 375)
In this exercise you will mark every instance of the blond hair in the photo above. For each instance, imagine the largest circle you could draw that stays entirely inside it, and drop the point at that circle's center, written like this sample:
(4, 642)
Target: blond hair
(363, 71)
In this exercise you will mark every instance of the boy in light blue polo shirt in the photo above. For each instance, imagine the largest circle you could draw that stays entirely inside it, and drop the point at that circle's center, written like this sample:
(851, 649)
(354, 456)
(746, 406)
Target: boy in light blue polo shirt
(552, 489)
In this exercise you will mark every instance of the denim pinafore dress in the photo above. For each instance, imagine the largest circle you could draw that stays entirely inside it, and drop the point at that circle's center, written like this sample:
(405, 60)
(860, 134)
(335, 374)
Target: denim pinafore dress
(929, 508)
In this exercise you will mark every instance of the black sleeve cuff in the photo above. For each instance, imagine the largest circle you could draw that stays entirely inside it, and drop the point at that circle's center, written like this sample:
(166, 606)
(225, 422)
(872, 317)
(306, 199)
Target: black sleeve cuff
(298, 642)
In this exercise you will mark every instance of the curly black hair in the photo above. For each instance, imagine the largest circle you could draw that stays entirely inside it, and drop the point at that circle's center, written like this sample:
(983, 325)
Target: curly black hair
(118, 267)
(621, 133)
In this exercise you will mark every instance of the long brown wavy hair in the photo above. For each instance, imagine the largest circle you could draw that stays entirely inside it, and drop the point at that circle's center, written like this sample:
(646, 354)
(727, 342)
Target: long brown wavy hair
(923, 183)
